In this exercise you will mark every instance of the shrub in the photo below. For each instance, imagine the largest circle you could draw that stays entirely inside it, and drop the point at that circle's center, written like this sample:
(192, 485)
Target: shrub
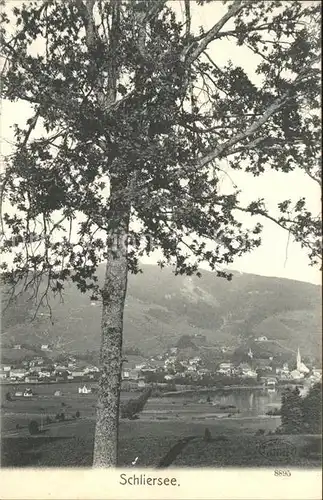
(33, 427)
(260, 432)
(207, 435)
(17, 426)
(62, 417)
(77, 414)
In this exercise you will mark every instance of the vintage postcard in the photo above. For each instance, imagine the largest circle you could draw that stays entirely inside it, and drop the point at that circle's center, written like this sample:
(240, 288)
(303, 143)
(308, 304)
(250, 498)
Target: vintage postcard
(161, 249)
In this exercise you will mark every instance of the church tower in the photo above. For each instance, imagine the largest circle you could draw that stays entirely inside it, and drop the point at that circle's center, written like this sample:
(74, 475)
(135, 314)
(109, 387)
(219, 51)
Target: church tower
(298, 361)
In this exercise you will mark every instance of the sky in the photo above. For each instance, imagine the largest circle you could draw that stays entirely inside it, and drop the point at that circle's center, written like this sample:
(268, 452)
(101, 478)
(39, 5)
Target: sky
(278, 255)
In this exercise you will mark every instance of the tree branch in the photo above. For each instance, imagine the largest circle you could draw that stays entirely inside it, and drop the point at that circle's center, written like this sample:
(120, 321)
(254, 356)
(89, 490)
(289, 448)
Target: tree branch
(212, 34)
(276, 106)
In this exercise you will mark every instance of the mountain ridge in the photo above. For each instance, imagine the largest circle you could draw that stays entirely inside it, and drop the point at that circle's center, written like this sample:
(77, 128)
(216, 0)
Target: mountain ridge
(161, 307)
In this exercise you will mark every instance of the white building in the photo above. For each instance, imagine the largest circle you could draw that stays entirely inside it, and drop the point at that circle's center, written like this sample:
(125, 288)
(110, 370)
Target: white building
(84, 390)
(225, 368)
(296, 375)
(44, 347)
(317, 373)
(18, 373)
(77, 373)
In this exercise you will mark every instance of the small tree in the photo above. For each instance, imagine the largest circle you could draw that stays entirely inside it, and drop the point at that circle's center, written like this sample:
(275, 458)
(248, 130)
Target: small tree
(207, 435)
(33, 427)
(77, 414)
(8, 396)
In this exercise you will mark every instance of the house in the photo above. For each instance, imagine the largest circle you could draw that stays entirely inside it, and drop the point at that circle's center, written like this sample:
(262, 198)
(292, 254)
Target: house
(270, 382)
(246, 371)
(296, 375)
(3, 375)
(31, 380)
(169, 377)
(84, 390)
(57, 393)
(91, 369)
(36, 361)
(77, 373)
(283, 372)
(18, 394)
(141, 383)
(170, 360)
(225, 368)
(261, 339)
(194, 361)
(36, 369)
(134, 374)
(6, 368)
(17, 346)
(203, 371)
(44, 347)
(317, 373)
(18, 373)
(28, 393)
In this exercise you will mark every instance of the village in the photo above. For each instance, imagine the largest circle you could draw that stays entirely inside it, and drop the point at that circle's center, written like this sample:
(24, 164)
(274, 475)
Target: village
(170, 368)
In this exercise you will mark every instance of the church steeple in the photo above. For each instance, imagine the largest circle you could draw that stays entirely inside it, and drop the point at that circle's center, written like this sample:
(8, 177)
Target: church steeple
(298, 360)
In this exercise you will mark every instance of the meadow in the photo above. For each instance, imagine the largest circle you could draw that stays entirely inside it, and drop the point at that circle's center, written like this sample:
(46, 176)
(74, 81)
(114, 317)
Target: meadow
(163, 423)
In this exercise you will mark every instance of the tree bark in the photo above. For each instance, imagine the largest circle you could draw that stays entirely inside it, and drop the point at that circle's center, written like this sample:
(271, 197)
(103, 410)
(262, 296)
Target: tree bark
(113, 298)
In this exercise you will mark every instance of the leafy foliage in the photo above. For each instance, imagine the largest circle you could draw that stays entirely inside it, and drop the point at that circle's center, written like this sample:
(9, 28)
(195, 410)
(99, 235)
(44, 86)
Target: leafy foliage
(312, 410)
(130, 114)
(302, 414)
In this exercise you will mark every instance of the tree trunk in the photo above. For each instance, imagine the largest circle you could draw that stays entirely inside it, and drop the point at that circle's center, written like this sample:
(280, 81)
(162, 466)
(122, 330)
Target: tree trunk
(113, 298)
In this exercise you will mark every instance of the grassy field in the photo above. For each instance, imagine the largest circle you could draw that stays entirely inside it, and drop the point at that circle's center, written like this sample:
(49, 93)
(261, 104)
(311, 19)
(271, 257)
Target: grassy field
(71, 445)
(160, 427)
